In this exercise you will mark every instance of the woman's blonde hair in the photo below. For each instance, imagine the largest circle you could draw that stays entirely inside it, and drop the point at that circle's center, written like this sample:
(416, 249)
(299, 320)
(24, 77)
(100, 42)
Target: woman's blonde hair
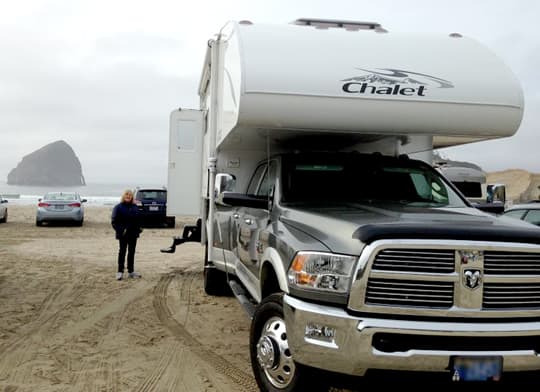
(126, 192)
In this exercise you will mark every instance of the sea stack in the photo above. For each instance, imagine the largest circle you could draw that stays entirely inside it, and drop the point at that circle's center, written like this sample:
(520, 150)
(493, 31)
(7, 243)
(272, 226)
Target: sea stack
(52, 165)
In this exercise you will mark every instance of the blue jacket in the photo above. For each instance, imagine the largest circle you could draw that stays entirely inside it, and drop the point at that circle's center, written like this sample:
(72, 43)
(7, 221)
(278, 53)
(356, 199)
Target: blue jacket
(125, 220)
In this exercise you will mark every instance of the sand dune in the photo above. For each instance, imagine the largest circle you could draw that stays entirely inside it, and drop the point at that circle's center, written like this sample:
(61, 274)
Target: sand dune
(521, 185)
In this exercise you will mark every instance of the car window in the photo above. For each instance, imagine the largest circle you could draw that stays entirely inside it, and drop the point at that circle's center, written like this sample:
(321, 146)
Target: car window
(469, 189)
(62, 196)
(256, 179)
(533, 216)
(518, 214)
(358, 179)
(158, 195)
(268, 180)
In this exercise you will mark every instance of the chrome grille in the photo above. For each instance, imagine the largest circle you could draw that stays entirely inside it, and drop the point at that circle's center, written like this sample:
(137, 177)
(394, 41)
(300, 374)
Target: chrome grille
(511, 263)
(413, 293)
(511, 295)
(449, 278)
(415, 260)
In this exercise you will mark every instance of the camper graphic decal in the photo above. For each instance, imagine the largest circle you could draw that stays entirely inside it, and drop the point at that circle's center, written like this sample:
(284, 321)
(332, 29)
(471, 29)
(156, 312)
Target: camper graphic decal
(388, 81)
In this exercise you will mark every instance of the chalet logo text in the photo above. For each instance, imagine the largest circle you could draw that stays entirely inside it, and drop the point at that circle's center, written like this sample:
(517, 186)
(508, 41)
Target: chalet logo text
(388, 81)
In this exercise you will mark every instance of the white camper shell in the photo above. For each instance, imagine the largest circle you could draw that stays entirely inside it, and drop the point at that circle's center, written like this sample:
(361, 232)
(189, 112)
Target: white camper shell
(265, 88)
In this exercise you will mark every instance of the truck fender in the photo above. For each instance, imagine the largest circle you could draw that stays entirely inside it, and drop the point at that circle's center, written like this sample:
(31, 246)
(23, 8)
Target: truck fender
(272, 257)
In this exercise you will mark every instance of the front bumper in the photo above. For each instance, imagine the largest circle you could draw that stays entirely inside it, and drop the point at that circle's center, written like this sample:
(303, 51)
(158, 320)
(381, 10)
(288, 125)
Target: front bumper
(350, 349)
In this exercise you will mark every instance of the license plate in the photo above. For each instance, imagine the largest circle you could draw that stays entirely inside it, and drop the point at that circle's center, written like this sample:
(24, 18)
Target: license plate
(476, 368)
(153, 208)
(58, 207)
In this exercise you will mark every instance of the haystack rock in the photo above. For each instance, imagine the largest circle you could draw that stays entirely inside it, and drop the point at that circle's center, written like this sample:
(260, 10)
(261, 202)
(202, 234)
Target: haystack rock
(53, 165)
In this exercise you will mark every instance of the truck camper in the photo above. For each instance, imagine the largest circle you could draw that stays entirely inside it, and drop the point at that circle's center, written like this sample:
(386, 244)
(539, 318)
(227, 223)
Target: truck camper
(348, 255)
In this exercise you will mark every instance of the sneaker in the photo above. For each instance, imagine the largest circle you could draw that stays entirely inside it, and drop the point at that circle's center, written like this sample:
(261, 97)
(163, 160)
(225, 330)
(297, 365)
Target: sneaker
(134, 275)
(119, 276)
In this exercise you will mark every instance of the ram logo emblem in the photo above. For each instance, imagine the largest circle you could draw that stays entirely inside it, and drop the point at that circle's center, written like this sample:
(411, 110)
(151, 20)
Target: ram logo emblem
(472, 278)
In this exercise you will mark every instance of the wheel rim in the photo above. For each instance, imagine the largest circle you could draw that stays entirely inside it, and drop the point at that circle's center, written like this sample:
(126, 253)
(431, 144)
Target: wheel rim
(273, 354)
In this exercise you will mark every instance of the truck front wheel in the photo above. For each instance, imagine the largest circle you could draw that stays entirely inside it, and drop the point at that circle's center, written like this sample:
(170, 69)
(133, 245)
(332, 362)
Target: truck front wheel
(271, 358)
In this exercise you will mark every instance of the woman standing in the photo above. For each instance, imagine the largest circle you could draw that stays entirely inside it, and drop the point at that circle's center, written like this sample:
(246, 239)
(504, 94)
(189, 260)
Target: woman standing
(126, 224)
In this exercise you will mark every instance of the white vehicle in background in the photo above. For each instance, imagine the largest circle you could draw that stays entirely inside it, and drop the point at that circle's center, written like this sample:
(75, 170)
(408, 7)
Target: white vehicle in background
(528, 212)
(471, 180)
(3, 210)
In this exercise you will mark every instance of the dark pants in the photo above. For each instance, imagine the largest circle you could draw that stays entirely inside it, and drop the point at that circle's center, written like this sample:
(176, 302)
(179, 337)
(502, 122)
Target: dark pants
(128, 244)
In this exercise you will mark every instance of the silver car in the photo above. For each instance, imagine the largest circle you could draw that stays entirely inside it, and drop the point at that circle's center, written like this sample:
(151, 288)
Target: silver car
(60, 207)
(529, 212)
(3, 210)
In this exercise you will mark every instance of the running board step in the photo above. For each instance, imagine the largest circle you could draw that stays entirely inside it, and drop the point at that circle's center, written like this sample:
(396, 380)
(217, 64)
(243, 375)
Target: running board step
(243, 298)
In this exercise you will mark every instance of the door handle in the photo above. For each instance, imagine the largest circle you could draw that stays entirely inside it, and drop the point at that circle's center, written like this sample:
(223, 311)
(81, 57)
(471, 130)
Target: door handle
(247, 221)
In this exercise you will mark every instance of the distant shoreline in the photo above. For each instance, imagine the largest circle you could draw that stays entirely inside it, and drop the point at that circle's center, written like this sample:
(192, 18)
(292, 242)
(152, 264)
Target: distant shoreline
(96, 194)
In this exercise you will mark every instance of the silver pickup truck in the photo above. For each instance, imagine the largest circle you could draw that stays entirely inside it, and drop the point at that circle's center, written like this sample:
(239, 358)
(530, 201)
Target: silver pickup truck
(362, 262)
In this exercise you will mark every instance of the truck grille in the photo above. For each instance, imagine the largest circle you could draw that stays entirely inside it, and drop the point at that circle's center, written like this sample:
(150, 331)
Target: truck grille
(415, 260)
(410, 293)
(495, 280)
(511, 295)
(511, 263)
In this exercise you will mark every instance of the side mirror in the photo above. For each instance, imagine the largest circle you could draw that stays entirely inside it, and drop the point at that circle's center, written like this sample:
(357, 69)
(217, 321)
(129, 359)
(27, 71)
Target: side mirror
(243, 200)
(496, 193)
(493, 208)
(225, 182)
(84, 201)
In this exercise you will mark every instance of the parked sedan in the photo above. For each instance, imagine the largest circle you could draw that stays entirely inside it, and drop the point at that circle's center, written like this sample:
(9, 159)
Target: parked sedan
(60, 207)
(529, 212)
(3, 210)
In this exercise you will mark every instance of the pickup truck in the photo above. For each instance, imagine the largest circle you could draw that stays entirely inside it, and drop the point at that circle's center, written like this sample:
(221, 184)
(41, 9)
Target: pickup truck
(363, 262)
(348, 256)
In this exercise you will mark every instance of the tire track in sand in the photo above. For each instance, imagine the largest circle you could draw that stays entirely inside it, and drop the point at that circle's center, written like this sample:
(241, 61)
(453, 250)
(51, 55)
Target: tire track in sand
(15, 353)
(178, 330)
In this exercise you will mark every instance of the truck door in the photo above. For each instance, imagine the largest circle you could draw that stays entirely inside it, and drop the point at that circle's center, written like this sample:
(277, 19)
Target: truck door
(252, 222)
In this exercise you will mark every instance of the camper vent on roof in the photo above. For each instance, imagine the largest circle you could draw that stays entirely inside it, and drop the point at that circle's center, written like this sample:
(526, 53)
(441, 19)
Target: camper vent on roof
(343, 24)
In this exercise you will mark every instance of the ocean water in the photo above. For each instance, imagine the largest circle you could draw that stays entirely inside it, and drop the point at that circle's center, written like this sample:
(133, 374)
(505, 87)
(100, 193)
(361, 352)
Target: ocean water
(95, 194)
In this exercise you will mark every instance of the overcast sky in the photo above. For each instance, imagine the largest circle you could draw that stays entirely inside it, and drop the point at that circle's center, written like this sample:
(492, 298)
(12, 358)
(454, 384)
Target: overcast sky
(104, 75)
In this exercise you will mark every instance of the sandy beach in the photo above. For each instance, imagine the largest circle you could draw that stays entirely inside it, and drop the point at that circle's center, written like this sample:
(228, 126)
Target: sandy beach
(66, 324)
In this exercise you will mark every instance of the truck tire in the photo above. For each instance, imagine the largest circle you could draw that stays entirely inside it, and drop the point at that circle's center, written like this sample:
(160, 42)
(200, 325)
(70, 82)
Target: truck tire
(170, 221)
(271, 359)
(215, 281)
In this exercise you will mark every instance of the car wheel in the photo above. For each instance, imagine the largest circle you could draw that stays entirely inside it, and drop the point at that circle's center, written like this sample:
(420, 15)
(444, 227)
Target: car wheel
(271, 358)
(4, 219)
(215, 281)
(171, 221)
(80, 223)
(39, 223)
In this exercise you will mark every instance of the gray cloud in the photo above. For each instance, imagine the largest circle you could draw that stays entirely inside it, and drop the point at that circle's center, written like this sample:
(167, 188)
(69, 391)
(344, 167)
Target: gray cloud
(108, 111)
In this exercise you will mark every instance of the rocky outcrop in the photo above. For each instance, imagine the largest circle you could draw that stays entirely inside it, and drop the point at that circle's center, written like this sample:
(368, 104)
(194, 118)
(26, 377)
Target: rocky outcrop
(53, 165)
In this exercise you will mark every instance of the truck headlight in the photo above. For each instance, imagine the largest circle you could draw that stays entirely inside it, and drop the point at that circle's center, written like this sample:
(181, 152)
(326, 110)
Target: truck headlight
(321, 271)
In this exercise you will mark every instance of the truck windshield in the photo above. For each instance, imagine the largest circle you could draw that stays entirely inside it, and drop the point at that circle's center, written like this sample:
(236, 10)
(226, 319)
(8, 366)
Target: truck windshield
(359, 178)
